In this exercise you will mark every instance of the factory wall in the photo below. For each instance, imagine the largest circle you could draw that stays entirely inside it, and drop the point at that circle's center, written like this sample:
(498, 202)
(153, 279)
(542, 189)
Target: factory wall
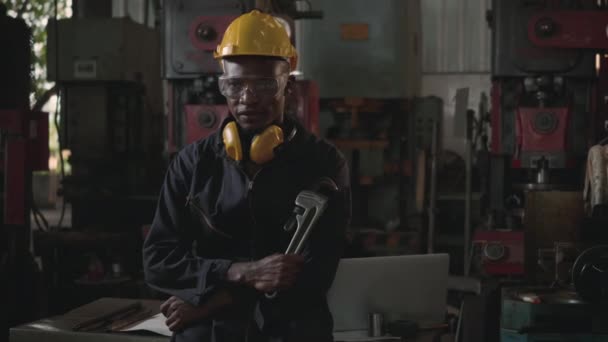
(136, 10)
(456, 53)
(369, 49)
(456, 36)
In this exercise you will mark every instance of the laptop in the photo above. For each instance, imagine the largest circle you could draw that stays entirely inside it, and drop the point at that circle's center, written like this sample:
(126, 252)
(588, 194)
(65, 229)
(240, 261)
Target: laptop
(400, 287)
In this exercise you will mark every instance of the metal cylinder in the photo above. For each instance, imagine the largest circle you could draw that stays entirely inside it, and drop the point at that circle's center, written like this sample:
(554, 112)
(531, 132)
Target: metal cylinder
(116, 269)
(542, 176)
(375, 324)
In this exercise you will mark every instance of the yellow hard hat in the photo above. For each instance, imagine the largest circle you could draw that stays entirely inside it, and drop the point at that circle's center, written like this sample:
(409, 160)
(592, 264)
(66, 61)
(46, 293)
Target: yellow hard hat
(257, 34)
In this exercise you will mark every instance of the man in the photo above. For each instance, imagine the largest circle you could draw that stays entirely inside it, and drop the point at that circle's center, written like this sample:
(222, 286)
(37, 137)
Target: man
(216, 240)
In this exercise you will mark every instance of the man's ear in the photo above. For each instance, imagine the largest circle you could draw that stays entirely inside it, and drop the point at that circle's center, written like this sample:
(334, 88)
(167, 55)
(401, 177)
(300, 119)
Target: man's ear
(290, 88)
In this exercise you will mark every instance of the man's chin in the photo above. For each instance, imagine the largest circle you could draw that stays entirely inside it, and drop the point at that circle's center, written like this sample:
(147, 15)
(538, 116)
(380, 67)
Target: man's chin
(251, 127)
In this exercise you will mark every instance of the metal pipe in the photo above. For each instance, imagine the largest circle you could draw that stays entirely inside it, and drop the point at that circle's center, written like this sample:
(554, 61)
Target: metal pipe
(597, 176)
(433, 190)
(468, 192)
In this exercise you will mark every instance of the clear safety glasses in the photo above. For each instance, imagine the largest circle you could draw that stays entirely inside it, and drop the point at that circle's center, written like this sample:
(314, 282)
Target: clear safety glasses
(234, 87)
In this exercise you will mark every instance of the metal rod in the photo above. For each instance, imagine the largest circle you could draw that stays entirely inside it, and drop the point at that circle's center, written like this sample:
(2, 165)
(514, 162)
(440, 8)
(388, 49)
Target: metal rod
(468, 193)
(306, 233)
(433, 190)
(298, 236)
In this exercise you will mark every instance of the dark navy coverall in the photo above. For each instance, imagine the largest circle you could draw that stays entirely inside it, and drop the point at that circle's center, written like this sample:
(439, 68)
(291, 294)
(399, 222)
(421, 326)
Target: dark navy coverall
(211, 214)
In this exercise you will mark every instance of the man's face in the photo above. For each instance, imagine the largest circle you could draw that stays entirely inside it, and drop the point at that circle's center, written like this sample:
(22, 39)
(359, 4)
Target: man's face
(255, 90)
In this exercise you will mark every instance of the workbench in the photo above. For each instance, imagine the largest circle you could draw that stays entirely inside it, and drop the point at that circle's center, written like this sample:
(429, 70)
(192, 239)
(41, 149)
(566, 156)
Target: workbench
(59, 328)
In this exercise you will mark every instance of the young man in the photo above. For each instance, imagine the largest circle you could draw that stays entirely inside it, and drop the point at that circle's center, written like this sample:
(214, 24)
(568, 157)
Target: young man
(217, 238)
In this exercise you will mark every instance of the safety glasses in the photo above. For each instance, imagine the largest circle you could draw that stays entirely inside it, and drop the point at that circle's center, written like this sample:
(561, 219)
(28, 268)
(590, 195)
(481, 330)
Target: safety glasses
(234, 87)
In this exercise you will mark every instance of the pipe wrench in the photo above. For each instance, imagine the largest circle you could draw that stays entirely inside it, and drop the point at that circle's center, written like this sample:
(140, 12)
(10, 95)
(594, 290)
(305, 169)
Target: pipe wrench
(310, 205)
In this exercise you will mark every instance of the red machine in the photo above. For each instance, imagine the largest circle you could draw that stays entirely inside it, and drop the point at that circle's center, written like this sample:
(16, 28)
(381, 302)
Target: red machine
(544, 96)
(563, 29)
(501, 252)
(542, 130)
(202, 120)
(26, 150)
(206, 32)
(555, 29)
(191, 33)
(548, 106)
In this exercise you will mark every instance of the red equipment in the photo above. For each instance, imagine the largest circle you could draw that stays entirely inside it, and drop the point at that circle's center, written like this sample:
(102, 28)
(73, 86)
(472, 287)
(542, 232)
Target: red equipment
(203, 120)
(26, 150)
(545, 92)
(569, 29)
(502, 252)
(542, 129)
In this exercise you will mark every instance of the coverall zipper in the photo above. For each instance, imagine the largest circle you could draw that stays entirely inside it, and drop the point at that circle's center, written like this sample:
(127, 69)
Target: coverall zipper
(252, 231)
(201, 212)
(250, 182)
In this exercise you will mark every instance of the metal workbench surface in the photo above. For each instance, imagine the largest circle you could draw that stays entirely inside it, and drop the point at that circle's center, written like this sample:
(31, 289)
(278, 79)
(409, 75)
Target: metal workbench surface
(60, 328)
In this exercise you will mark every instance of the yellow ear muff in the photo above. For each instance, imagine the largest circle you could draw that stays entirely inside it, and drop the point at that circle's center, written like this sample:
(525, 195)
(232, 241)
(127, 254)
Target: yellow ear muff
(232, 141)
(263, 144)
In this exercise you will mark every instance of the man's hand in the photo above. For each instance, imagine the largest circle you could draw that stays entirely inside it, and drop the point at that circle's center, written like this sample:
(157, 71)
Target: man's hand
(179, 313)
(273, 273)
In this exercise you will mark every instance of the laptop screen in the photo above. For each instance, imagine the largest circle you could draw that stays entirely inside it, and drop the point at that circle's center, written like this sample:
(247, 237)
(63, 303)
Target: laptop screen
(400, 287)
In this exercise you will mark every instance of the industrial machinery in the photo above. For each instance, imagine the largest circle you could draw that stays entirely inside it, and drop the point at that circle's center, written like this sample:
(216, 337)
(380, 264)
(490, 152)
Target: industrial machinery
(543, 314)
(367, 67)
(590, 274)
(500, 252)
(191, 32)
(547, 109)
(564, 313)
(544, 95)
(24, 149)
(107, 70)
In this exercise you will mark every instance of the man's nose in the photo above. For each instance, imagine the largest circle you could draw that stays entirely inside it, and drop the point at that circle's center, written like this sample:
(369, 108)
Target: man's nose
(248, 96)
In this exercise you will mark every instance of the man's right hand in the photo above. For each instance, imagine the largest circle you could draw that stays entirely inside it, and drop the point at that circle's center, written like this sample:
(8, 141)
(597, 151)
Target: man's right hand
(273, 273)
(180, 314)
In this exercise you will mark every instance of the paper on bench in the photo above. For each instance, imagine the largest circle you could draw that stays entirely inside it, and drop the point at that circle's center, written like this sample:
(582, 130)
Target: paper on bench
(155, 324)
